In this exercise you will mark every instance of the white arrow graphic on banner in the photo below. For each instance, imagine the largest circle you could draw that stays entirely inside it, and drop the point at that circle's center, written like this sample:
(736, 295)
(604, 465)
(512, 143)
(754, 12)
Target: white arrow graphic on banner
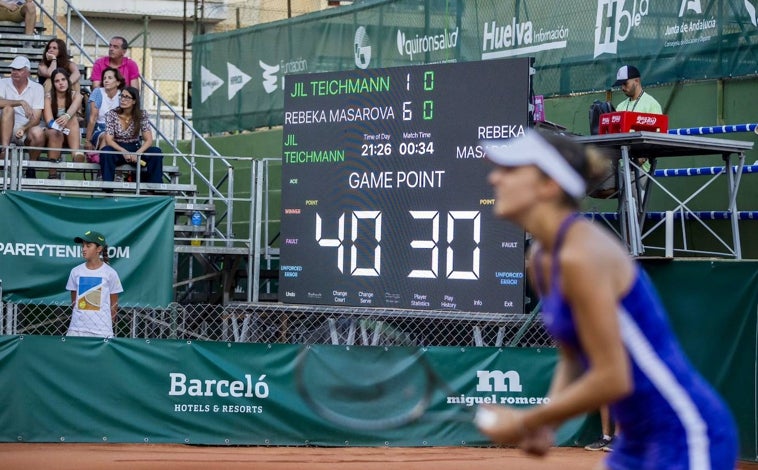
(208, 83)
(237, 79)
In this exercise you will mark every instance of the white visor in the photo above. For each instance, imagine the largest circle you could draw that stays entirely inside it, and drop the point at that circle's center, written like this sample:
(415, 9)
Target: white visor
(533, 149)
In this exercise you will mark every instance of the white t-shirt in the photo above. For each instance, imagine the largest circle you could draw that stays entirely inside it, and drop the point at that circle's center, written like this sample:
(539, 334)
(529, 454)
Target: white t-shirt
(33, 94)
(91, 314)
(104, 103)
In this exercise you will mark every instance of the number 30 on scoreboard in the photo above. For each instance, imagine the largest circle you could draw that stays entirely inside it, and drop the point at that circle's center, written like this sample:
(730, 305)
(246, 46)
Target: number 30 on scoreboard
(432, 243)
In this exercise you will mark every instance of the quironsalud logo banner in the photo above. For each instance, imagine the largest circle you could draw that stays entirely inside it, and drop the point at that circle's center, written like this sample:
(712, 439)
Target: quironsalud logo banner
(576, 47)
(37, 249)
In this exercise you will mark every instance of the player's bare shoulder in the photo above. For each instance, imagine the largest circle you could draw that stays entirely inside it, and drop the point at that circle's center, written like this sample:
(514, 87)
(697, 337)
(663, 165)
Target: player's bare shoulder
(590, 248)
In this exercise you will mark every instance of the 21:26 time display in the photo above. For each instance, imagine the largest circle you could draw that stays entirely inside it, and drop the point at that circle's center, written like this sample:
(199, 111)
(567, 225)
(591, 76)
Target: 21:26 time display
(405, 148)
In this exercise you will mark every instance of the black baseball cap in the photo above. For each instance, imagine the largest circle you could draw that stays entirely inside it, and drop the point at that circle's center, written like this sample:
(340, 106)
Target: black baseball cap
(625, 73)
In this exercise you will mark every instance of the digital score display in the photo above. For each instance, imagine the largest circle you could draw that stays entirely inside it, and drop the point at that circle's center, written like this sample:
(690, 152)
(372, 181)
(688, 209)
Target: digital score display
(385, 200)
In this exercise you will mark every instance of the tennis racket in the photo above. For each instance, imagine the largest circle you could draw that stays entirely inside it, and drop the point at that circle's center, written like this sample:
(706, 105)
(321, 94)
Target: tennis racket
(376, 397)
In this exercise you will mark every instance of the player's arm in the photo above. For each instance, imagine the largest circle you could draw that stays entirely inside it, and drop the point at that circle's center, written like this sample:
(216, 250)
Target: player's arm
(590, 286)
(566, 371)
(539, 440)
(593, 280)
(73, 298)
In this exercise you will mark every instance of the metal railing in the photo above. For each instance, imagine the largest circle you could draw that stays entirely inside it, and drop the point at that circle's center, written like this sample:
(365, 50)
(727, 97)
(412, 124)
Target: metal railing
(291, 324)
(202, 165)
(196, 140)
(237, 202)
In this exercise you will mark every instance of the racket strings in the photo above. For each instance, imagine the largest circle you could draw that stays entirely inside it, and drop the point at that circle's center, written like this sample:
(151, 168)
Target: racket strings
(375, 398)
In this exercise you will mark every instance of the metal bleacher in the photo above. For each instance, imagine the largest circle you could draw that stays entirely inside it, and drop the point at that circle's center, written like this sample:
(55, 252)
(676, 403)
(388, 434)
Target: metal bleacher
(14, 42)
(212, 264)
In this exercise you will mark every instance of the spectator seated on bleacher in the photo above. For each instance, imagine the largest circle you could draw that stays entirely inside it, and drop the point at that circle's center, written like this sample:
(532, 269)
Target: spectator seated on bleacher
(102, 100)
(62, 104)
(22, 102)
(19, 11)
(117, 59)
(127, 130)
(54, 57)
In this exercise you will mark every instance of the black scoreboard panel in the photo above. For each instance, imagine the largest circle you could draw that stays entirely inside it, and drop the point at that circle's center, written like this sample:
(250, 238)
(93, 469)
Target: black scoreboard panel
(385, 200)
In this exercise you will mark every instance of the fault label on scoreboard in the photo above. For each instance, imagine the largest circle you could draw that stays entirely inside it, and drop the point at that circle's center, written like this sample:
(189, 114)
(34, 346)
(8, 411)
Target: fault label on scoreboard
(385, 200)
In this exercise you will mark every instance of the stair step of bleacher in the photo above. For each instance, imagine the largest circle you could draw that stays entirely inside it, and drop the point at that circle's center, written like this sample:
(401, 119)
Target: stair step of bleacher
(192, 207)
(82, 166)
(120, 186)
(190, 228)
(14, 44)
(217, 250)
(8, 53)
(18, 28)
(33, 40)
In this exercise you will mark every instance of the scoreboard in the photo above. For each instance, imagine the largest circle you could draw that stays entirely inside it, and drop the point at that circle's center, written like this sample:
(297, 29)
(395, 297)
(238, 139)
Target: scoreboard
(385, 200)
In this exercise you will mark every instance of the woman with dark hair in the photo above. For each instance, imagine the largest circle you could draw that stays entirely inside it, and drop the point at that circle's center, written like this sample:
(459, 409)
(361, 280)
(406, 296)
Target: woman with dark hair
(102, 100)
(61, 106)
(127, 130)
(56, 57)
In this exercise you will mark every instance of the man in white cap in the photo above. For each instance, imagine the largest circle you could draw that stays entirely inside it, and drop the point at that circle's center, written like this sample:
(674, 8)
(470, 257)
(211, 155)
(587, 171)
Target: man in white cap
(22, 101)
(628, 78)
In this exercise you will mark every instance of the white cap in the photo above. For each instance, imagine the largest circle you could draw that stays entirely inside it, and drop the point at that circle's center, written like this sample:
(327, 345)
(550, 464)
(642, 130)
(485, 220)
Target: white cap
(21, 62)
(533, 149)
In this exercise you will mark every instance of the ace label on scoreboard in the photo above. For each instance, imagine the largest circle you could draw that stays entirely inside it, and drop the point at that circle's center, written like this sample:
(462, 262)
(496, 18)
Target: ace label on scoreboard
(385, 201)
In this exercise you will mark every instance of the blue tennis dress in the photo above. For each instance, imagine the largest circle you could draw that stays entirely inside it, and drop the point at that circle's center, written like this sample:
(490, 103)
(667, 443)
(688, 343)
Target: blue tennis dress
(673, 419)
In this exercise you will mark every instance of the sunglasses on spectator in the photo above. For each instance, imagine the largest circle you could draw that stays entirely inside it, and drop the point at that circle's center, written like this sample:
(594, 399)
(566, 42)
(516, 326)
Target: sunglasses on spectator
(127, 97)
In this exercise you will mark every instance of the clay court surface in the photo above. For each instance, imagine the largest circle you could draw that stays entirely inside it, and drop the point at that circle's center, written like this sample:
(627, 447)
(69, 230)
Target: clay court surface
(175, 456)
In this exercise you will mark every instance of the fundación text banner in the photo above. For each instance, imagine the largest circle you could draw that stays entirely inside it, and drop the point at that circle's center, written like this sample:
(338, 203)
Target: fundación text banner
(37, 249)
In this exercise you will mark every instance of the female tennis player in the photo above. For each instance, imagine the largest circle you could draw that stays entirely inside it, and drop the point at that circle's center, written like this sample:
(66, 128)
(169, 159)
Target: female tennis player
(615, 344)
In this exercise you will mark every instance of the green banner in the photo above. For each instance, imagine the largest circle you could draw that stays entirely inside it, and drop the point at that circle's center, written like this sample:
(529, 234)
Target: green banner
(713, 308)
(37, 249)
(128, 390)
(577, 47)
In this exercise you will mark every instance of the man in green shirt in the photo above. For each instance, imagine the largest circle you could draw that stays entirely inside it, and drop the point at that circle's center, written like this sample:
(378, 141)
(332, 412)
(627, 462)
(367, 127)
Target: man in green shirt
(628, 77)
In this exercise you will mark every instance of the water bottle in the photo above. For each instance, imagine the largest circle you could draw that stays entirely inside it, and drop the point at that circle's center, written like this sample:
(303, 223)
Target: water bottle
(196, 220)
